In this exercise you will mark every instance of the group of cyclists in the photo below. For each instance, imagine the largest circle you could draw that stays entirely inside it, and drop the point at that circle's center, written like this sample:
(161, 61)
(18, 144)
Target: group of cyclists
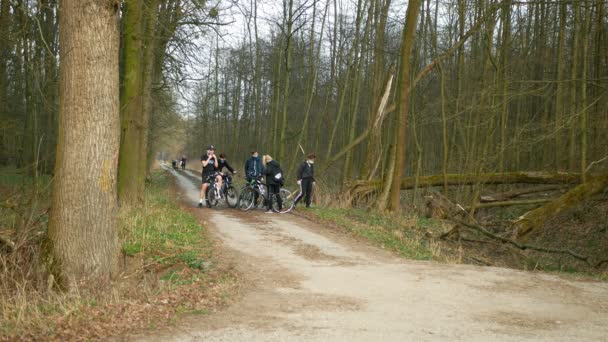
(256, 169)
(181, 163)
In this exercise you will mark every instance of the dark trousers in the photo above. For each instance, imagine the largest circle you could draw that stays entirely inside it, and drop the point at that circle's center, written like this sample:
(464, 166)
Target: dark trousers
(306, 191)
(273, 190)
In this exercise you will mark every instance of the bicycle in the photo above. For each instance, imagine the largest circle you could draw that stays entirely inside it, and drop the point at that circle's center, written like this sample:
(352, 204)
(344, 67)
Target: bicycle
(257, 189)
(228, 190)
(212, 194)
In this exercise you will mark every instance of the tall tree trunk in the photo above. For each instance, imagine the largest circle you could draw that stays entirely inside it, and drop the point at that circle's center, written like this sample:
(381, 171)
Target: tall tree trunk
(559, 93)
(584, 99)
(444, 123)
(288, 47)
(409, 29)
(4, 58)
(351, 55)
(148, 78)
(355, 92)
(83, 237)
(380, 17)
(129, 180)
(574, 84)
(315, 61)
(504, 58)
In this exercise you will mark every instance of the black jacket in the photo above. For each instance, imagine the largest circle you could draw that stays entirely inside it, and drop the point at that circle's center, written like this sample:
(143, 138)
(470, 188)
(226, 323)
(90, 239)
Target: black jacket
(273, 168)
(210, 168)
(222, 164)
(306, 170)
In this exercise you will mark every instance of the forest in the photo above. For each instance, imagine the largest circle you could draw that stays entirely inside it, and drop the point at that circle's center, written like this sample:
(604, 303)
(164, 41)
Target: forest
(492, 115)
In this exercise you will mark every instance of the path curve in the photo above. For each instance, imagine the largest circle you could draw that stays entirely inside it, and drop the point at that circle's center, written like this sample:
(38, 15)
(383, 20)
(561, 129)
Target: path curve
(309, 283)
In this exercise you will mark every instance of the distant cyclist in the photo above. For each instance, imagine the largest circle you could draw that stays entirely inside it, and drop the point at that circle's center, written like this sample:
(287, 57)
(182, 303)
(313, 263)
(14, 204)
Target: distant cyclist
(183, 162)
(210, 164)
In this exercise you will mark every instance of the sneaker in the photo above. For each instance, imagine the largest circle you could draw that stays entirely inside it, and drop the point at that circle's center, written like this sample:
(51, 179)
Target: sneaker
(269, 212)
(200, 204)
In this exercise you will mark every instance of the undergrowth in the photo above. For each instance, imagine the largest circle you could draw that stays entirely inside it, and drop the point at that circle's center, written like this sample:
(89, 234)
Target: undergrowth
(167, 259)
(397, 233)
(415, 237)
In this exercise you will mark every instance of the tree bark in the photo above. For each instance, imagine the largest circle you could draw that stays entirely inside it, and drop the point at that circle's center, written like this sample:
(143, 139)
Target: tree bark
(148, 78)
(82, 234)
(288, 47)
(559, 95)
(129, 188)
(409, 30)
(4, 57)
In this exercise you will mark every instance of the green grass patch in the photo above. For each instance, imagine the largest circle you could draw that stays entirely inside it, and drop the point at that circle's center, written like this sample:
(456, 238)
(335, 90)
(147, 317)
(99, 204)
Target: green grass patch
(396, 233)
(161, 232)
(15, 178)
(167, 272)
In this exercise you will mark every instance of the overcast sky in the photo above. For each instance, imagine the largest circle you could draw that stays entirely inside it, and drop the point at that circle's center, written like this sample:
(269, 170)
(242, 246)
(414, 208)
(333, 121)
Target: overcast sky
(233, 14)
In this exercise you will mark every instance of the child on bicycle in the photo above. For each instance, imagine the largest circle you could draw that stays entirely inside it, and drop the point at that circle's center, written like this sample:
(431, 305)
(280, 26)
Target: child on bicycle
(210, 164)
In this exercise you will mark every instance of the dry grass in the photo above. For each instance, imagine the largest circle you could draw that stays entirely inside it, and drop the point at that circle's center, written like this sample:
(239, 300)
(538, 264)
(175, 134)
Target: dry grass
(168, 263)
(583, 229)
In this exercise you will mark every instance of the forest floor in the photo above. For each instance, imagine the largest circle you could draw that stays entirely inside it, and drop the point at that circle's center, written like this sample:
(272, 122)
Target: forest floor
(170, 269)
(305, 281)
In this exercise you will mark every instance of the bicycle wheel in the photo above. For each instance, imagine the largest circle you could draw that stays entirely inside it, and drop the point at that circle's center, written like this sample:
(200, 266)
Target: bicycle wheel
(211, 197)
(287, 202)
(246, 199)
(232, 196)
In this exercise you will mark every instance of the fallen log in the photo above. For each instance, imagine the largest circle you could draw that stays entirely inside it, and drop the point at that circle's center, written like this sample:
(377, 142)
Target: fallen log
(535, 218)
(510, 203)
(364, 187)
(503, 196)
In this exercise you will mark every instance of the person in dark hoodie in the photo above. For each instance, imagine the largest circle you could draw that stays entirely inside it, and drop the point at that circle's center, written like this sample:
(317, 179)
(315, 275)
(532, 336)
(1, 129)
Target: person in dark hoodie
(274, 181)
(254, 167)
(306, 179)
(223, 163)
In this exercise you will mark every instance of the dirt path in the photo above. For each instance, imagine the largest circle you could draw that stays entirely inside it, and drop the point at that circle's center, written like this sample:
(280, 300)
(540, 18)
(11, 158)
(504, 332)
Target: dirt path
(308, 283)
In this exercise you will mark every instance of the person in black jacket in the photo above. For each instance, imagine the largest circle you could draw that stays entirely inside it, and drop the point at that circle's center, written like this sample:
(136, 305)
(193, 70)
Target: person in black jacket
(223, 163)
(274, 181)
(209, 163)
(306, 179)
